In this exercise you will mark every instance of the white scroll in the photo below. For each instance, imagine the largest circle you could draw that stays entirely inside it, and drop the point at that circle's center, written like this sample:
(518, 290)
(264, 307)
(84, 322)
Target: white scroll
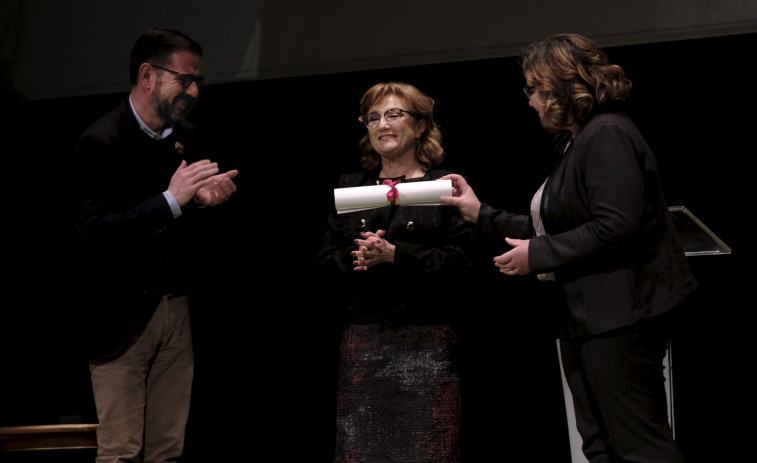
(358, 198)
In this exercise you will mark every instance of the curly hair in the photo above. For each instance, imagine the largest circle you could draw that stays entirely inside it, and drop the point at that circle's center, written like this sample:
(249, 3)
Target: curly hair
(428, 147)
(574, 77)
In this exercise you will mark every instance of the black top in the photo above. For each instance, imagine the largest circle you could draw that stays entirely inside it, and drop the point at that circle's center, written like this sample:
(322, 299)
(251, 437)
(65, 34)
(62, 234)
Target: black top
(133, 250)
(432, 257)
(609, 237)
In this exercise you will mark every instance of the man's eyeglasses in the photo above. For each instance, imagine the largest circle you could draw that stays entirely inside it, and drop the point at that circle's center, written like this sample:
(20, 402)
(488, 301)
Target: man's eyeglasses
(185, 79)
(529, 91)
(392, 116)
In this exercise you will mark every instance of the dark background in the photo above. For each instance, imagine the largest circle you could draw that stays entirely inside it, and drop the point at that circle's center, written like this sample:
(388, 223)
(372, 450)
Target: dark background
(264, 333)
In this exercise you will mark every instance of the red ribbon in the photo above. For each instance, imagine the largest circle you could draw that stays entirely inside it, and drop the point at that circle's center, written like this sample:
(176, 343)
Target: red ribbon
(392, 195)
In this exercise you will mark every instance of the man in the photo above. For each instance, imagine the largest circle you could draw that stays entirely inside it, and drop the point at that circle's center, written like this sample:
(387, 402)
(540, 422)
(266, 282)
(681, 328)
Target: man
(144, 185)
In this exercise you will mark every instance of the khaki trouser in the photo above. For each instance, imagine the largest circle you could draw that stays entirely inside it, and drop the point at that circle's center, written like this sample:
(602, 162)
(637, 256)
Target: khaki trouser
(142, 397)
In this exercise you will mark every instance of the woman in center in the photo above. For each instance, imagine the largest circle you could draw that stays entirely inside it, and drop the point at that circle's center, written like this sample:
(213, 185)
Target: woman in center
(398, 396)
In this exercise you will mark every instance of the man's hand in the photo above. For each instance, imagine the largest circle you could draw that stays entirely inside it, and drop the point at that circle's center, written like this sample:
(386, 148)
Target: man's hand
(188, 179)
(217, 190)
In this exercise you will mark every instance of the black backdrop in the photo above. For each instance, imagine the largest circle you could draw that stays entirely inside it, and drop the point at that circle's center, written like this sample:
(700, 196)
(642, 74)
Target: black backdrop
(265, 338)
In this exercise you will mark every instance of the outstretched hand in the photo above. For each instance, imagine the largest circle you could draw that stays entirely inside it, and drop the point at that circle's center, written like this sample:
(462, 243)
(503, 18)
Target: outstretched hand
(463, 197)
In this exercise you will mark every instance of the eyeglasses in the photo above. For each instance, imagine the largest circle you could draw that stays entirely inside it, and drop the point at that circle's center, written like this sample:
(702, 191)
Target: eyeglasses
(529, 91)
(185, 79)
(392, 116)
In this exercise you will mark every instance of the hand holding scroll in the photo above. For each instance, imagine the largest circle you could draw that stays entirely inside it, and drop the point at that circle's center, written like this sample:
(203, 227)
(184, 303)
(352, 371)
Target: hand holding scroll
(462, 197)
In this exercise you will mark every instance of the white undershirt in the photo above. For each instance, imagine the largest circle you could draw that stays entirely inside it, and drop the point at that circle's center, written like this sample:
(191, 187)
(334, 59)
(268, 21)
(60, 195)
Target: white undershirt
(539, 225)
(172, 203)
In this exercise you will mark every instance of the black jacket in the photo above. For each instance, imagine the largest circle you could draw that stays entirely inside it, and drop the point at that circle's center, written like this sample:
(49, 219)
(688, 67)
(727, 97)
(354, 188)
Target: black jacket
(133, 250)
(609, 237)
(432, 257)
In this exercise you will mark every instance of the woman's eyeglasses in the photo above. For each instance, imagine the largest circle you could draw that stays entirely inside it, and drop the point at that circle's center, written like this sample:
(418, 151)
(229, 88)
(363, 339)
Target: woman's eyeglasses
(529, 91)
(392, 116)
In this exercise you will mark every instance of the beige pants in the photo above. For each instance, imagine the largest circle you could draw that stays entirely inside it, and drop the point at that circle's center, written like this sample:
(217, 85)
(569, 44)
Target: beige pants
(142, 397)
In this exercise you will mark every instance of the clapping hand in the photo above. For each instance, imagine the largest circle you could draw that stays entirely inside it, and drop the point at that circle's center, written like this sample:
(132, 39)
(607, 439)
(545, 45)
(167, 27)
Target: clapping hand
(202, 182)
(217, 189)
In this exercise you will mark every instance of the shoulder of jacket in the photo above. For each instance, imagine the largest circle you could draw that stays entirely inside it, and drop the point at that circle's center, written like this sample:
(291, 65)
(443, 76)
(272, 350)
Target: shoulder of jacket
(354, 178)
(439, 172)
(609, 118)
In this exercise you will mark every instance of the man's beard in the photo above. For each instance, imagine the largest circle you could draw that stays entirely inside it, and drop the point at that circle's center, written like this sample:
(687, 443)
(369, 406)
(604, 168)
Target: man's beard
(174, 111)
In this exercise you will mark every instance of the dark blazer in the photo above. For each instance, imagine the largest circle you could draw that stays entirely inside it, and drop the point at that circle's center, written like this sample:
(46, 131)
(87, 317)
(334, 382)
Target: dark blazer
(432, 255)
(609, 237)
(133, 249)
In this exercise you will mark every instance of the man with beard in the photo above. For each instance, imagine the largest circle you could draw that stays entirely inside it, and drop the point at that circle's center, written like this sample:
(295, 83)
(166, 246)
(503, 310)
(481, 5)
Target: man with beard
(144, 184)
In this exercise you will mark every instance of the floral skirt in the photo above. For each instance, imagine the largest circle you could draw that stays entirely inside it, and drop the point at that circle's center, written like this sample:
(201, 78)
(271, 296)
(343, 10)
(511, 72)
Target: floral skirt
(398, 395)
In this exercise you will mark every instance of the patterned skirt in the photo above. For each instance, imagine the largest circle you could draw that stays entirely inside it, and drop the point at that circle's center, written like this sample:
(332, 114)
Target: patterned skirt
(398, 395)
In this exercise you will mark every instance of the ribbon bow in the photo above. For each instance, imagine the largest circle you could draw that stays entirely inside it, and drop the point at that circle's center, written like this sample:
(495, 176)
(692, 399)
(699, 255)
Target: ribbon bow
(392, 195)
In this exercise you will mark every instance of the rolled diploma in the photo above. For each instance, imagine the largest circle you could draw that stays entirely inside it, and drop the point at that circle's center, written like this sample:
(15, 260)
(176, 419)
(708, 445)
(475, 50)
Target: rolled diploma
(358, 198)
